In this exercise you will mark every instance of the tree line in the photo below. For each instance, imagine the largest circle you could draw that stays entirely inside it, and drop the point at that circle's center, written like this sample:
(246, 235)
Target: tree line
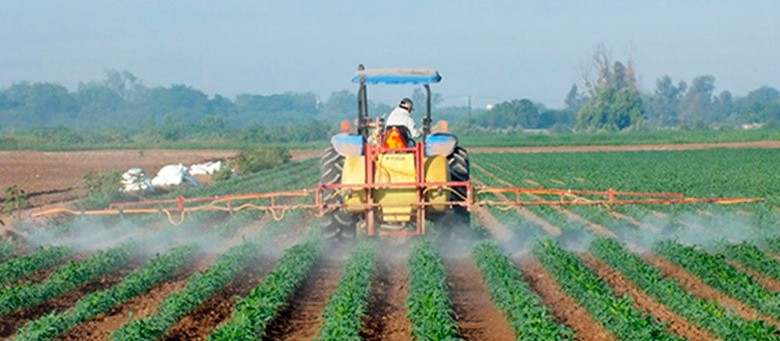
(121, 109)
(612, 101)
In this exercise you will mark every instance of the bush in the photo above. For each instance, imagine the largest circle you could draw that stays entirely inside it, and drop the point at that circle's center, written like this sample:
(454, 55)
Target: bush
(260, 158)
(222, 174)
(102, 188)
(16, 199)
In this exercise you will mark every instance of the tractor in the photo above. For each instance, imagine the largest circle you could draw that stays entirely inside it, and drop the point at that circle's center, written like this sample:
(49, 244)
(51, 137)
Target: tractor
(378, 179)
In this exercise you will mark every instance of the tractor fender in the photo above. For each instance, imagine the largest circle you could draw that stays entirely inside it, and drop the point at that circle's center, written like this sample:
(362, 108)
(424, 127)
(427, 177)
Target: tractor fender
(347, 145)
(442, 144)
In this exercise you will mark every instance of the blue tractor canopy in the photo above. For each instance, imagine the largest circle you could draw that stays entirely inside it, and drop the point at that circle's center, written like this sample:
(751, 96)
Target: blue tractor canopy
(397, 76)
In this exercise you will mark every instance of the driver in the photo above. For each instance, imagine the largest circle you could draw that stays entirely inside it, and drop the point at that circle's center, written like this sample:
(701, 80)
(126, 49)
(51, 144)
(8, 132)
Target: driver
(402, 116)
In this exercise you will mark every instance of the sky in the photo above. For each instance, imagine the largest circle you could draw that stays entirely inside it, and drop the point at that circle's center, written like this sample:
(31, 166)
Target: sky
(491, 51)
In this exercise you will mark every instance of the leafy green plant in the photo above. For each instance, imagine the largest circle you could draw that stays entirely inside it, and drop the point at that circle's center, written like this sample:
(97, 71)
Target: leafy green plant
(6, 249)
(102, 188)
(430, 308)
(199, 287)
(16, 199)
(137, 282)
(65, 278)
(724, 277)
(706, 314)
(22, 266)
(753, 258)
(524, 310)
(260, 158)
(618, 314)
(253, 312)
(343, 315)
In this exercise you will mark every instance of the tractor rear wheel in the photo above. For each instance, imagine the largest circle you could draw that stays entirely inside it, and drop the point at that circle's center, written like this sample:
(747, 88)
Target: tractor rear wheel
(460, 170)
(336, 221)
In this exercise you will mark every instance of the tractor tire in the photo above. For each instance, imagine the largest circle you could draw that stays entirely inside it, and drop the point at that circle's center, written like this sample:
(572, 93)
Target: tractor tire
(335, 221)
(460, 170)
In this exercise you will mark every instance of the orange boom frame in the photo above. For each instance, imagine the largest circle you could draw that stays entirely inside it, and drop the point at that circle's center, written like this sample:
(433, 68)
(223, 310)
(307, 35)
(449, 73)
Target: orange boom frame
(313, 200)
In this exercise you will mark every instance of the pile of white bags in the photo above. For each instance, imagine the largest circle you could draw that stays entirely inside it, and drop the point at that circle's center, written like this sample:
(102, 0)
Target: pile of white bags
(173, 175)
(135, 179)
(207, 168)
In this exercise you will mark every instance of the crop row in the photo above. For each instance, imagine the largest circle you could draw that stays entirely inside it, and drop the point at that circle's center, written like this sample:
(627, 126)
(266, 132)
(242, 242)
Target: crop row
(618, 314)
(7, 248)
(343, 314)
(65, 278)
(23, 266)
(430, 308)
(525, 313)
(706, 314)
(253, 312)
(722, 276)
(752, 257)
(137, 282)
(199, 287)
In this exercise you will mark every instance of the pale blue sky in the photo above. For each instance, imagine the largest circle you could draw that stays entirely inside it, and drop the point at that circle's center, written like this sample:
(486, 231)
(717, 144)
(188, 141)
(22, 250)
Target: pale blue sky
(492, 50)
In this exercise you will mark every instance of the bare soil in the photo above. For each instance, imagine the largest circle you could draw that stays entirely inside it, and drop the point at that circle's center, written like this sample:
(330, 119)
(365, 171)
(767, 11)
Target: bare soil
(52, 177)
(386, 318)
(478, 318)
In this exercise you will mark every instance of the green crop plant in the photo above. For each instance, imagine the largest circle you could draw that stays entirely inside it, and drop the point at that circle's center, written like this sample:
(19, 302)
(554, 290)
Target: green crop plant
(430, 308)
(344, 312)
(706, 314)
(618, 314)
(7, 248)
(23, 266)
(199, 287)
(253, 312)
(724, 277)
(753, 258)
(137, 282)
(65, 278)
(524, 311)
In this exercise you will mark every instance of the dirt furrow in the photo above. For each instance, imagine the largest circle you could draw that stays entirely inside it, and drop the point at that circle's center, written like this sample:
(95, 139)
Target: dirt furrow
(676, 323)
(300, 319)
(478, 318)
(386, 318)
(564, 307)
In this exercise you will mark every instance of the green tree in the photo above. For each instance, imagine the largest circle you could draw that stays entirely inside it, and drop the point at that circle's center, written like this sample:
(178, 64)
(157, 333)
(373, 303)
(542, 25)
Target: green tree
(612, 110)
(615, 102)
(663, 106)
(697, 104)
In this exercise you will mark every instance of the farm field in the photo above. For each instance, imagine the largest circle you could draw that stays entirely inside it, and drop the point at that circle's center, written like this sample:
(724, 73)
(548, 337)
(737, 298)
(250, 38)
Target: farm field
(654, 272)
